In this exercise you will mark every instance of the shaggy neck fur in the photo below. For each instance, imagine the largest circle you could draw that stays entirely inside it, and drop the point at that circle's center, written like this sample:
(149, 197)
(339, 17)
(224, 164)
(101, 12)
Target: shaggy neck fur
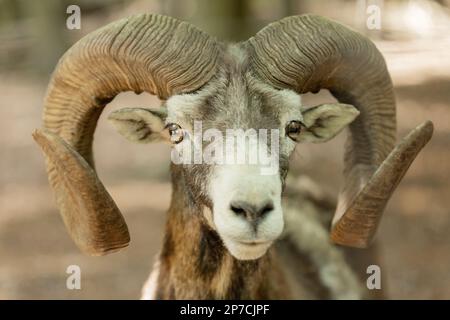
(194, 264)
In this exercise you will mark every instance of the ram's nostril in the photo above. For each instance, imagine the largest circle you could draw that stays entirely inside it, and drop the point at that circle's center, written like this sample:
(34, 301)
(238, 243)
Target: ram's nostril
(237, 210)
(251, 211)
(266, 209)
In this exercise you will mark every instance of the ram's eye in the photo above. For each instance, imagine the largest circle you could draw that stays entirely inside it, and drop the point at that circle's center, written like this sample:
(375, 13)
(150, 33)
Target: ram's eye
(293, 129)
(176, 133)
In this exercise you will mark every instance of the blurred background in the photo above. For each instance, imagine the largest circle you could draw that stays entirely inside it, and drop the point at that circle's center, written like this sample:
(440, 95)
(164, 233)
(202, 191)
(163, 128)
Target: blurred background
(35, 250)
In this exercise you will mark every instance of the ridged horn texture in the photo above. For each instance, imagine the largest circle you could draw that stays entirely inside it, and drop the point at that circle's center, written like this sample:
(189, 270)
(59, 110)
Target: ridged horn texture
(359, 222)
(152, 53)
(307, 53)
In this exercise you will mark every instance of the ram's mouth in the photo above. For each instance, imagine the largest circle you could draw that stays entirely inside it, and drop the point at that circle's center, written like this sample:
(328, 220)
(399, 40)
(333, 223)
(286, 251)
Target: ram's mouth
(253, 243)
(247, 250)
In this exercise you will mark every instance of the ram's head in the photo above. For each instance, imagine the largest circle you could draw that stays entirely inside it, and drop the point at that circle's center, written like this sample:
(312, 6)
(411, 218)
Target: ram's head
(209, 88)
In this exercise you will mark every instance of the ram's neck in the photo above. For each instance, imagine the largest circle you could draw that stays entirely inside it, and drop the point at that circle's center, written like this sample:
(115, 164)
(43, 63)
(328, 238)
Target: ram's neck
(195, 265)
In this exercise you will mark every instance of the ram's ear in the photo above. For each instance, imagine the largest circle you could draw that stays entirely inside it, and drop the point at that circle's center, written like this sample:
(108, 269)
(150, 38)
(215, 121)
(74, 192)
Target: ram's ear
(325, 121)
(140, 124)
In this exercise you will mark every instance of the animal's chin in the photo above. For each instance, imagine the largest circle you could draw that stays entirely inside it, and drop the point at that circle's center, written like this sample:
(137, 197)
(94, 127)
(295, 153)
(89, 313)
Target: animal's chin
(246, 250)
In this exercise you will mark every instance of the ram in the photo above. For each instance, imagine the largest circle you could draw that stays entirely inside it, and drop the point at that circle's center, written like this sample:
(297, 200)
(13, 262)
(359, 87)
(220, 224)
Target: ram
(224, 218)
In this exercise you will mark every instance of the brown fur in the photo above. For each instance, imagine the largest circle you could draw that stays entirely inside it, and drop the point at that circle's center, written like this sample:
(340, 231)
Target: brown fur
(194, 264)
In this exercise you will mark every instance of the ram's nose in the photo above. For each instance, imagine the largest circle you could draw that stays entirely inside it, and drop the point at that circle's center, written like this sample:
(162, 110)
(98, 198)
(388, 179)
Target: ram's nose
(252, 211)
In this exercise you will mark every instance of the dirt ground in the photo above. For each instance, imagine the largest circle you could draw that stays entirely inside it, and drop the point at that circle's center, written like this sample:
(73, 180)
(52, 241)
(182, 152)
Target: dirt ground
(35, 250)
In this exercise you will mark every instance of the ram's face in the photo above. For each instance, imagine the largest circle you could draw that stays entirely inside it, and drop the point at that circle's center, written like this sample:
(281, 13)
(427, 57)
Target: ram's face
(232, 141)
(234, 151)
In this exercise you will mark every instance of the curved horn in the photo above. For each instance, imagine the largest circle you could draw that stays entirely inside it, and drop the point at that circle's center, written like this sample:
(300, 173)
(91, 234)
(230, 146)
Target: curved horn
(358, 225)
(307, 53)
(152, 53)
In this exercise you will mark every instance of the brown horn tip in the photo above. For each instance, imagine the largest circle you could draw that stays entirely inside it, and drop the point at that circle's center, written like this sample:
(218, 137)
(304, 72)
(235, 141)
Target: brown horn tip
(359, 223)
(92, 218)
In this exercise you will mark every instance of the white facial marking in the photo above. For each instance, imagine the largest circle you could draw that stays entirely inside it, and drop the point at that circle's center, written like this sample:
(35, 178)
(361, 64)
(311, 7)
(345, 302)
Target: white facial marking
(150, 286)
(245, 183)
